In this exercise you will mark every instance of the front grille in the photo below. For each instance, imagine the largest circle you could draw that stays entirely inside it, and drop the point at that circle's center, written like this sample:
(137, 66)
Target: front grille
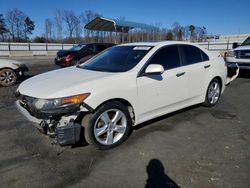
(243, 54)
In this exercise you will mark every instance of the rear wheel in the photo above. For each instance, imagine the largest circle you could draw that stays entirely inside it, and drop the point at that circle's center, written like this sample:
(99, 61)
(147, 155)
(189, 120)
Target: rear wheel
(7, 77)
(213, 93)
(109, 126)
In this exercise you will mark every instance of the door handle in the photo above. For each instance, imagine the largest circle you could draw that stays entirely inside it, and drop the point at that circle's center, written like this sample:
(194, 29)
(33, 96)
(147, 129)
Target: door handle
(180, 74)
(207, 66)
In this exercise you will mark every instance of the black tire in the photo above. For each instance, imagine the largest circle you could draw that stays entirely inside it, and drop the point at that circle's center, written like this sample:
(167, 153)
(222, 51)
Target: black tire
(8, 77)
(208, 101)
(91, 121)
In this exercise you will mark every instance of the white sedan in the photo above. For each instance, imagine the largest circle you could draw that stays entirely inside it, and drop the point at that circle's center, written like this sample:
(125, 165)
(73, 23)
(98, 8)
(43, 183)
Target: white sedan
(122, 87)
(10, 72)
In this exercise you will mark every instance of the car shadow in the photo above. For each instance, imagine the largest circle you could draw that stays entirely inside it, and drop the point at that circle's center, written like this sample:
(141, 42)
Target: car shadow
(83, 142)
(157, 176)
(144, 124)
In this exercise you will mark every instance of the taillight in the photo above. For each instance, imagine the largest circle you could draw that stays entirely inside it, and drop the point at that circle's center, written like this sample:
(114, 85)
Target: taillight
(69, 57)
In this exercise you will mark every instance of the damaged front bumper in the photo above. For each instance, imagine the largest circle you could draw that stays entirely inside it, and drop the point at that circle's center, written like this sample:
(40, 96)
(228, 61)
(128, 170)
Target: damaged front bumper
(21, 69)
(61, 126)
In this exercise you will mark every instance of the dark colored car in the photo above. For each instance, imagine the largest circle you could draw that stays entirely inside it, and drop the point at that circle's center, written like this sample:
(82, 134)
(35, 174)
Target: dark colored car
(66, 58)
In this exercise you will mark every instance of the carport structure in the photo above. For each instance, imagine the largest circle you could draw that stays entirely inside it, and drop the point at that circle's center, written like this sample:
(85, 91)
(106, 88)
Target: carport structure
(117, 26)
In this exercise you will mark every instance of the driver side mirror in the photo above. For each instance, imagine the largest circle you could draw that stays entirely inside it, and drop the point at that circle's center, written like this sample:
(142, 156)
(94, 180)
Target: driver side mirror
(154, 69)
(235, 45)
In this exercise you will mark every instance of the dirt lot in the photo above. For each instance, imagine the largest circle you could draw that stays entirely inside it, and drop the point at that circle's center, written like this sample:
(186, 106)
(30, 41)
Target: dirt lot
(195, 147)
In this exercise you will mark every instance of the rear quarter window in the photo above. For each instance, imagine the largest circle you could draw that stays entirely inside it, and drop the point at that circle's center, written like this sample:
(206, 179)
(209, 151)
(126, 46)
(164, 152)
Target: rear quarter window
(204, 56)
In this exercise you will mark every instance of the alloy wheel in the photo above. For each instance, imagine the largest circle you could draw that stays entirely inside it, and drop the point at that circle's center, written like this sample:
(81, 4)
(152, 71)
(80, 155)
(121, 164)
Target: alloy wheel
(214, 92)
(110, 126)
(7, 77)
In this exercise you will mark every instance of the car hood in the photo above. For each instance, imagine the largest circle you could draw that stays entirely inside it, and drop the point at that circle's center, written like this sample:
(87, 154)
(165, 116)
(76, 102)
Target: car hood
(242, 48)
(61, 83)
(6, 63)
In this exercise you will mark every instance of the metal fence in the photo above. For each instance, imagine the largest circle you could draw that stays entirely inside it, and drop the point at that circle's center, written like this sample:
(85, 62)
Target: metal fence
(33, 46)
(9, 47)
(217, 46)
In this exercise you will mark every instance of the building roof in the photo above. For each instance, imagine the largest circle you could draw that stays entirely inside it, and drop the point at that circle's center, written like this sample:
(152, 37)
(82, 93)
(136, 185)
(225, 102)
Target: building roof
(114, 25)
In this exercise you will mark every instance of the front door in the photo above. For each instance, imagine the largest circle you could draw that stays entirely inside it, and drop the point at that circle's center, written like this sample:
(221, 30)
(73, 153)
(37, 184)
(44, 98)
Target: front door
(162, 93)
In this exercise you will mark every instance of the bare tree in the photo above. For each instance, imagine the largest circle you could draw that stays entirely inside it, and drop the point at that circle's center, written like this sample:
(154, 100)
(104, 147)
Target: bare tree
(176, 30)
(71, 20)
(15, 19)
(59, 24)
(48, 28)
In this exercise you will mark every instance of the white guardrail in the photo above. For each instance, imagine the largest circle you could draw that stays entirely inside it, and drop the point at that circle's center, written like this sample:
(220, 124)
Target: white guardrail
(32, 49)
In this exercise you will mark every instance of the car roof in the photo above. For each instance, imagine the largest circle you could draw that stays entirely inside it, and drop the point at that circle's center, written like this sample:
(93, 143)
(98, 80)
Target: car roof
(96, 43)
(157, 43)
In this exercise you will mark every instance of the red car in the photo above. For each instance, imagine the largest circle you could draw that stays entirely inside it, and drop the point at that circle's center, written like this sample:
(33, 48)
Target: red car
(66, 58)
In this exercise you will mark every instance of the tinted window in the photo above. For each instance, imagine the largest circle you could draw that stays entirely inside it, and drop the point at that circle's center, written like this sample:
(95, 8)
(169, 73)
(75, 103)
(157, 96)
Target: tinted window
(100, 48)
(246, 42)
(191, 54)
(204, 56)
(89, 47)
(168, 57)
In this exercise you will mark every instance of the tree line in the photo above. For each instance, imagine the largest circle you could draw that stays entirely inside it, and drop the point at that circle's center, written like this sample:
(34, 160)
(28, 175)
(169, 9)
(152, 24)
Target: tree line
(68, 27)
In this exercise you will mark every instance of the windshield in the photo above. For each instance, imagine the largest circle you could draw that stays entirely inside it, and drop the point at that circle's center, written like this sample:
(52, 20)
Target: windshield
(117, 59)
(77, 47)
(246, 42)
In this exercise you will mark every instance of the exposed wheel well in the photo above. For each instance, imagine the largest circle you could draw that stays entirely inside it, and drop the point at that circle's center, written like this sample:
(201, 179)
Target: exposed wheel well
(219, 78)
(125, 103)
(7, 68)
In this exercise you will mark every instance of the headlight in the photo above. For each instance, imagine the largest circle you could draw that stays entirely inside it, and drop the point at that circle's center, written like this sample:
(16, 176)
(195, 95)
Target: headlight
(230, 54)
(49, 104)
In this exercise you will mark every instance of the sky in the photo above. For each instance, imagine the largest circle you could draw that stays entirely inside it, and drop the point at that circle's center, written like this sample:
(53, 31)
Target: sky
(218, 16)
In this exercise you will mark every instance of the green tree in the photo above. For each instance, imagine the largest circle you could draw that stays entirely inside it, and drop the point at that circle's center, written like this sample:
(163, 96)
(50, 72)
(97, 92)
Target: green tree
(191, 29)
(169, 36)
(3, 27)
(29, 26)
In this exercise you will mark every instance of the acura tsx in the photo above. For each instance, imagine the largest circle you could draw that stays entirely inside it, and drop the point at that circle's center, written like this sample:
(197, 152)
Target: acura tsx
(122, 87)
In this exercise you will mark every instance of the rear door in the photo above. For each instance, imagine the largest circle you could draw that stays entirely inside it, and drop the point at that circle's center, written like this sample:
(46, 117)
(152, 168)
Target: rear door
(196, 65)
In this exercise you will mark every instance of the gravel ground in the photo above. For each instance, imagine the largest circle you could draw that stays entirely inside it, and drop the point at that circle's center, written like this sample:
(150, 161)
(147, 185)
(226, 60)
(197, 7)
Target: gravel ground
(194, 147)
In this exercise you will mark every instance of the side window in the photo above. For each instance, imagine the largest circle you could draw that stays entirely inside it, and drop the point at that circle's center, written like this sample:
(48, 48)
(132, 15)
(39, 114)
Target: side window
(204, 56)
(168, 57)
(90, 48)
(190, 54)
(100, 48)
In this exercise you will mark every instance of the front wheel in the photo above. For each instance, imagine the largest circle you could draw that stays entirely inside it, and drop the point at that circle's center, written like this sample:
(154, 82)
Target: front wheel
(109, 126)
(213, 93)
(7, 77)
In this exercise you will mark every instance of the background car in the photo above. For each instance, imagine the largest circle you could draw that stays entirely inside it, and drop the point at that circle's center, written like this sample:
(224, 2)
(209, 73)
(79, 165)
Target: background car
(240, 54)
(10, 72)
(66, 58)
